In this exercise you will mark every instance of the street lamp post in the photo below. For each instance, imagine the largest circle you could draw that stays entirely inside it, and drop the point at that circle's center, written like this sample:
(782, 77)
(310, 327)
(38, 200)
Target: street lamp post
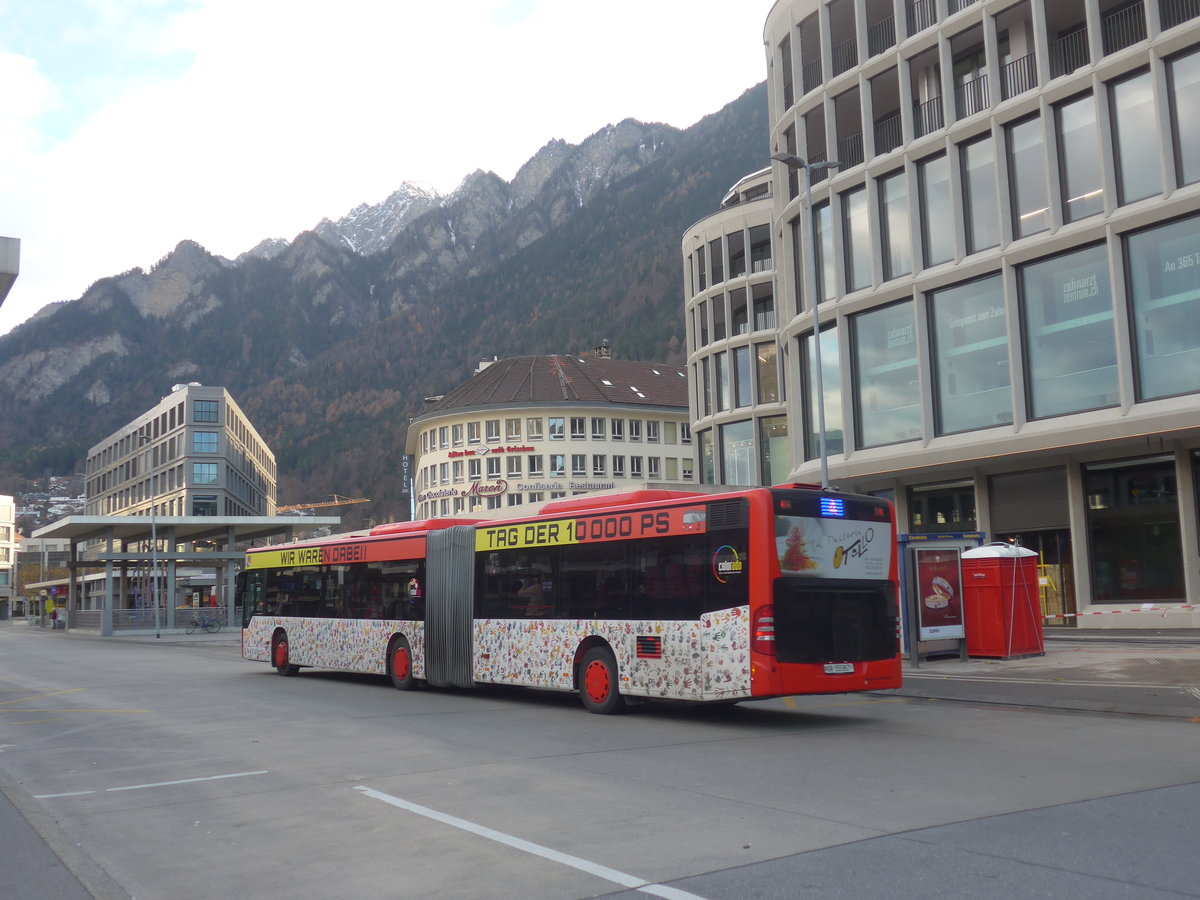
(154, 562)
(792, 161)
(153, 548)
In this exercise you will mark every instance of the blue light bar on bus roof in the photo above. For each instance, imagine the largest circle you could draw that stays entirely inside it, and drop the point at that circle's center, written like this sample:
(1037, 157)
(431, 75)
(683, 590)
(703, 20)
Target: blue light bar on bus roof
(833, 507)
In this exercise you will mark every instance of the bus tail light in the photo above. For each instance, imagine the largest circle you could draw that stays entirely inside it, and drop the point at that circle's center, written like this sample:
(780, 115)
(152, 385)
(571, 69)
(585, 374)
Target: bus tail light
(762, 633)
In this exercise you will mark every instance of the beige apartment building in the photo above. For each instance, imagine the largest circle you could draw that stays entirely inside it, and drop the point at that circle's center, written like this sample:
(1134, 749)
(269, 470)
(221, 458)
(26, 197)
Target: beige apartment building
(529, 429)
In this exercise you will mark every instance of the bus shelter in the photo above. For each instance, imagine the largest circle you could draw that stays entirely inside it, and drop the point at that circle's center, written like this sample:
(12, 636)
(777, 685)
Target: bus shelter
(153, 549)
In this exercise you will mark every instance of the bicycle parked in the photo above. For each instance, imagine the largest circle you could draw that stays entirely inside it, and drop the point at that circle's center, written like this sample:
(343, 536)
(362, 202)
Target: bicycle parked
(208, 623)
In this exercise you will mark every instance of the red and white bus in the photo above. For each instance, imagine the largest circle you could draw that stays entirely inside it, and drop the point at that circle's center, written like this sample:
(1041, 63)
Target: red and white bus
(653, 594)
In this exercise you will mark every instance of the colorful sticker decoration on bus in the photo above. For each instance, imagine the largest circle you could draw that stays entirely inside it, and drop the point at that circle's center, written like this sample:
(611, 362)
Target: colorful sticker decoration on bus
(592, 529)
(833, 548)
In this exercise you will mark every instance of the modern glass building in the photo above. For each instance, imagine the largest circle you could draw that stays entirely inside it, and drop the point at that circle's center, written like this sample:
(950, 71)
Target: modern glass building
(1005, 249)
(194, 454)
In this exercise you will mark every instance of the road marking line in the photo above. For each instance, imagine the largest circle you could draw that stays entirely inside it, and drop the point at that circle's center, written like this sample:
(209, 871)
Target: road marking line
(67, 794)
(138, 787)
(583, 865)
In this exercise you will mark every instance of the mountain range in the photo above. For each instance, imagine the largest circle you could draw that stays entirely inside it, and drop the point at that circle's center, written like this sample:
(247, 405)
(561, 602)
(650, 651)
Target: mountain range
(331, 341)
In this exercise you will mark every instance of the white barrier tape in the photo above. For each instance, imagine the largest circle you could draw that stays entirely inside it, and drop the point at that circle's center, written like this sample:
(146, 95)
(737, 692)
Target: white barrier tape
(1107, 612)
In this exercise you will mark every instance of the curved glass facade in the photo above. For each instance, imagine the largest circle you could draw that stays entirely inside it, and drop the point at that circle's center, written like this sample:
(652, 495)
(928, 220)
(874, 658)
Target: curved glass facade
(997, 204)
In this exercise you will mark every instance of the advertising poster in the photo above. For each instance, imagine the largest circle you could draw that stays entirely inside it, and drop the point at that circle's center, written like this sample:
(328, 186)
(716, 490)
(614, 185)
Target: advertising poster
(939, 594)
(833, 548)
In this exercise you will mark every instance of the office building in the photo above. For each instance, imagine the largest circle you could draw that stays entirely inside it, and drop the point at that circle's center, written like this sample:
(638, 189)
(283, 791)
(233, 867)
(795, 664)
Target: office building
(1004, 239)
(194, 454)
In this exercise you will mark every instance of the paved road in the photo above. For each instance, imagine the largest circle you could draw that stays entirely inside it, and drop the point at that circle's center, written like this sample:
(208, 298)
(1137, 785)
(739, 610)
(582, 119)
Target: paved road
(172, 768)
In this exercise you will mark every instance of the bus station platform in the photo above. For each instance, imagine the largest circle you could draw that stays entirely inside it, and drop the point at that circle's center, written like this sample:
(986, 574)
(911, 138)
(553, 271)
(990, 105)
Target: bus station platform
(1142, 672)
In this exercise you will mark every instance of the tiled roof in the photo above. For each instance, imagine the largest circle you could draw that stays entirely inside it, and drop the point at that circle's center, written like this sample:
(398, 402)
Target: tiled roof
(544, 380)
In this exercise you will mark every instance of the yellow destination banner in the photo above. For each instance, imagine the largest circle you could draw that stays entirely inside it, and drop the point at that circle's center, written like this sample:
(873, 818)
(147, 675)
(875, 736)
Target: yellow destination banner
(531, 534)
(282, 559)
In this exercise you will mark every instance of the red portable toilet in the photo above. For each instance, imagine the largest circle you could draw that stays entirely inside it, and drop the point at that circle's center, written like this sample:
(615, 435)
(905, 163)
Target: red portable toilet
(1001, 602)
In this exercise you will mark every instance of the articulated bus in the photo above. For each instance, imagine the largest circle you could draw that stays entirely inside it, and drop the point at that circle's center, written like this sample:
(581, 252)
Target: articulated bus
(651, 594)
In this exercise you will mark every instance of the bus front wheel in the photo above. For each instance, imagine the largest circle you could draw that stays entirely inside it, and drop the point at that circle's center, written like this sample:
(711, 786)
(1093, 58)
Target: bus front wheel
(279, 657)
(400, 665)
(598, 683)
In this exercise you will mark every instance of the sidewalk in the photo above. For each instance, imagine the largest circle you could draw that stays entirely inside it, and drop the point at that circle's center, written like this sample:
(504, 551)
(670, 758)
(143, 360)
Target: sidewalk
(1132, 672)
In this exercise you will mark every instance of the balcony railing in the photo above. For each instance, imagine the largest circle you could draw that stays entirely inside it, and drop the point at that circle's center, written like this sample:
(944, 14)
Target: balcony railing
(850, 151)
(811, 76)
(928, 117)
(1069, 52)
(882, 35)
(1019, 76)
(845, 56)
(960, 5)
(1176, 12)
(819, 174)
(889, 133)
(1123, 27)
(971, 97)
(922, 14)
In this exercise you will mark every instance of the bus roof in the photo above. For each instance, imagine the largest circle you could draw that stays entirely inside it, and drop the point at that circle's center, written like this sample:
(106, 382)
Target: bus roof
(606, 501)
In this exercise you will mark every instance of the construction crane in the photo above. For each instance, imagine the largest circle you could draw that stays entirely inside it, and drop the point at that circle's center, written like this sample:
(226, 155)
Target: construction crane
(338, 500)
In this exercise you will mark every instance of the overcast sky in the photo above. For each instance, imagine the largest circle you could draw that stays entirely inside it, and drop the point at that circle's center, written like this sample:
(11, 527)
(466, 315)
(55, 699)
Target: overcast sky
(127, 126)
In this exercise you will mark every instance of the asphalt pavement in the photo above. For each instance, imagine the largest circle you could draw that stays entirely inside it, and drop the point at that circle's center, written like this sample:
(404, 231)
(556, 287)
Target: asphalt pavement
(1134, 673)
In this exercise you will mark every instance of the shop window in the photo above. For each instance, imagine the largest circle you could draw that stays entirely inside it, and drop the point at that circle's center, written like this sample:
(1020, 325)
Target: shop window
(886, 387)
(737, 453)
(942, 508)
(981, 210)
(1079, 159)
(1184, 82)
(1135, 135)
(856, 239)
(776, 457)
(765, 357)
(823, 236)
(937, 215)
(895, 233)
(1133, 531)
(970, 356)
(205, 411)
(831, 383)
(743, 387)
(1070, 350)
(1027, 177)
(1163, 265)
(204, 473)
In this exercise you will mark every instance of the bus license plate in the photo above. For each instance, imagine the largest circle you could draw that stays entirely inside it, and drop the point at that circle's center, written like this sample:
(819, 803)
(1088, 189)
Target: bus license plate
(839, 668)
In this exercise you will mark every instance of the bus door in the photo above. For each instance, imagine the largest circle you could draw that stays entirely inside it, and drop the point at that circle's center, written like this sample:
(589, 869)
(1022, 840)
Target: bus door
(449, 606)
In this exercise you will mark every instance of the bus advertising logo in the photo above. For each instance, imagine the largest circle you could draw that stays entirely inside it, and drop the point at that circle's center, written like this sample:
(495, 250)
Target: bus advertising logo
(726, 563)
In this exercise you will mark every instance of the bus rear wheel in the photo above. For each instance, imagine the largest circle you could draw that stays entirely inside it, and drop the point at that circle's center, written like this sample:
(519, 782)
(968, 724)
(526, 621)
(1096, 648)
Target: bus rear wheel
(279, 657)
(400, 665)
(598, 683)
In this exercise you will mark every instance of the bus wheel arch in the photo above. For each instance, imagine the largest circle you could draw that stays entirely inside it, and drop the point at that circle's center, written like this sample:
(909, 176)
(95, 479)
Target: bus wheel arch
(598, 678)
(280, 658)
(400, 663)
